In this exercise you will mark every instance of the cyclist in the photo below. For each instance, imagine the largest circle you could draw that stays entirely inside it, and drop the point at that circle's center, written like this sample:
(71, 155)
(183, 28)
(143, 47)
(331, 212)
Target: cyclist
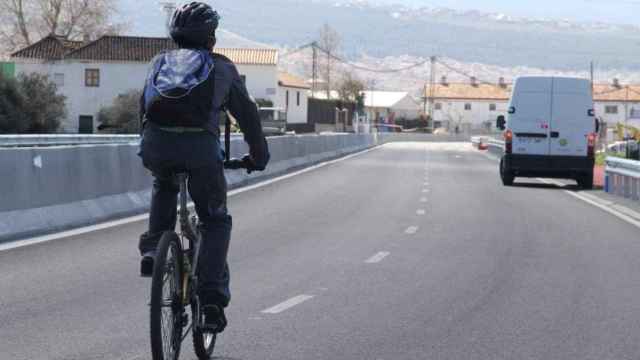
(185, 94)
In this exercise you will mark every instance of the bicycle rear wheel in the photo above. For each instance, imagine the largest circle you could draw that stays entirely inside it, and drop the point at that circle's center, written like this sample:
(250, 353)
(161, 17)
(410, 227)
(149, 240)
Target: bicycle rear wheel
(166, 305)
(204, 342)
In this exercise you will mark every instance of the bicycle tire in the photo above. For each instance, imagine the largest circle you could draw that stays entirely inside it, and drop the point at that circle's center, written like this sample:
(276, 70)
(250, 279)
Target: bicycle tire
(166, 336)
(203, 343)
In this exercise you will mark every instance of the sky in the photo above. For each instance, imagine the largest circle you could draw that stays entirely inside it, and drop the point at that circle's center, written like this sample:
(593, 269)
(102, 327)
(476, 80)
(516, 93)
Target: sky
(609, 11)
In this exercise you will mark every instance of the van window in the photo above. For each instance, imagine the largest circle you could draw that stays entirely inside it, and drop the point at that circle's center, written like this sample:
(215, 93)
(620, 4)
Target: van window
(467, 107)
(611, 109)
(492, 107)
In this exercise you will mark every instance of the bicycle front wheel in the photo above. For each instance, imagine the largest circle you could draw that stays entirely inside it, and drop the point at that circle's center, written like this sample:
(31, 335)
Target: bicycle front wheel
(166, 308)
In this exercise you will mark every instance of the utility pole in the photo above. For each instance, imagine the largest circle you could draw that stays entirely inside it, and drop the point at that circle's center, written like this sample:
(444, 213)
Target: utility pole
(314, 74)
(432, 90)
(626, 122)
(168, 7)
(592, 72)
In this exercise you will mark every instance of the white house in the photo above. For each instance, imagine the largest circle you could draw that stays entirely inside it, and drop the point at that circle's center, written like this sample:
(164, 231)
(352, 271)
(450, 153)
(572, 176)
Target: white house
(293, 93)
(91, 75)
(386, 106)
(475, 106)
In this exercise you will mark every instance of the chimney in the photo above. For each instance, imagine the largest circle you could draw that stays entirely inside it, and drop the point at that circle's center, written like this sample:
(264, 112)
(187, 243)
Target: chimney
(474, 81)
(443, 81)
(616, 83)
(502, 82)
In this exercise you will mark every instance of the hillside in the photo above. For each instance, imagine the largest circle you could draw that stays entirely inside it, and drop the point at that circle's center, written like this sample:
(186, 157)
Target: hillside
(393, 30)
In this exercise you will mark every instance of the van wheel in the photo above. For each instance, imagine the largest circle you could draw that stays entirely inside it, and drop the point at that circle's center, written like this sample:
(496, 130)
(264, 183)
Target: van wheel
(585, 181)
(506, 175)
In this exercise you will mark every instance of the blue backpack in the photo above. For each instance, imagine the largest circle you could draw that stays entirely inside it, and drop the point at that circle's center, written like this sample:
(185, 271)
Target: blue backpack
(179, 89)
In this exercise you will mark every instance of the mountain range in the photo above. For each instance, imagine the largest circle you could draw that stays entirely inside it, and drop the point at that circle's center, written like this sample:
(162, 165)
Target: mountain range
(382, 30)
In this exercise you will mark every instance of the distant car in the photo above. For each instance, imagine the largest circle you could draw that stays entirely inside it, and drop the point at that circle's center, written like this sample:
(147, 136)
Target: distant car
(274, 120)
(550, 130)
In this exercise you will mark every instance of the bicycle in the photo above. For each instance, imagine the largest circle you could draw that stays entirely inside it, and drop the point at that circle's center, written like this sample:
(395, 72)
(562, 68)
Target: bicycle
(175, 282)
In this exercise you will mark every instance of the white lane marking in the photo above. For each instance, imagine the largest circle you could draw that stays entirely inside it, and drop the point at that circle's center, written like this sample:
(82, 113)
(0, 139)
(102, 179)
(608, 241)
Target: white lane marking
(424, 191)
(421, 212)
(287, 304)
(377, 257)
(426, 183)
(424, 200)
(134, 219)
(611, 211)
(411, 230)
(458, 157)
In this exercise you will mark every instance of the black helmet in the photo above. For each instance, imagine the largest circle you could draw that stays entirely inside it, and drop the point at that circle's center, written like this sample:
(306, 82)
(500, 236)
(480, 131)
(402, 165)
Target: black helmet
(193, 24)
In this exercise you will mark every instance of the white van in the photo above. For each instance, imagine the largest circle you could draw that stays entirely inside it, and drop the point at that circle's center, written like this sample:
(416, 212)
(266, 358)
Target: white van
(550, 130)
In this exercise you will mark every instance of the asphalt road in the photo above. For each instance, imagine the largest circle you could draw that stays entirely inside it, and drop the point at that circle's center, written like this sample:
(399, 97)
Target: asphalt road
(410, 251)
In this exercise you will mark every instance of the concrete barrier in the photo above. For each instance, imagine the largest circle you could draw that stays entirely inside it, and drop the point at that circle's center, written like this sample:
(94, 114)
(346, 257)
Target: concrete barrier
(496, 147)
(420, 137)
(622, 178)
(48, 189)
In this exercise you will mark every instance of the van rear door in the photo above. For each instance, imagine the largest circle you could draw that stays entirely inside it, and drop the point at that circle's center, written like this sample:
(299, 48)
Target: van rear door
(572, 117)
(530, 114)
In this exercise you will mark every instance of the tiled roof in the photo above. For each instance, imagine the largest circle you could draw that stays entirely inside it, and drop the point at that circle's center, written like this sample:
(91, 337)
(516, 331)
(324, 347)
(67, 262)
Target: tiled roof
(288, 80)
(49, 48)
(603, 92)
(130, 48)
(122, 48)
(466, 91)
(250, 56)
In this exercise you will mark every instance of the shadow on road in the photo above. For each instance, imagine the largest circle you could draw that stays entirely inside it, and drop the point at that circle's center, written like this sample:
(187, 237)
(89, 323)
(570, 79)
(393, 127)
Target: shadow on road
(570, 187)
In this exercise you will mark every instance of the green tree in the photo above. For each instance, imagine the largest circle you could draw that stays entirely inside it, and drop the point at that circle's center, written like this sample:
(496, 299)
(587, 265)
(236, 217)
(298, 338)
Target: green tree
(11, 101)
(122, 117)
(30, 104)
(44, 108)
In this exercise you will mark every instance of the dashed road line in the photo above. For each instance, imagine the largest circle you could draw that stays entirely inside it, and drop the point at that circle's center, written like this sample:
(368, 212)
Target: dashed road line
(377, 257)
(421, 212)
(411, 230)
(288, 304)
(424, 200)
(424, 191)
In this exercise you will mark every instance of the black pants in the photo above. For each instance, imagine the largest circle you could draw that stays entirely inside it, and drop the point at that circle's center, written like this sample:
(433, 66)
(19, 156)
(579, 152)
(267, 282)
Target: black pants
(199, 155)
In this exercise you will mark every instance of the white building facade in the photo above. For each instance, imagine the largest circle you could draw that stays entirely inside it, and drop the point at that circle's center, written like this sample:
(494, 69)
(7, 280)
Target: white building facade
(475, 107)
(293, 93)
(386, 106)
(92, 75)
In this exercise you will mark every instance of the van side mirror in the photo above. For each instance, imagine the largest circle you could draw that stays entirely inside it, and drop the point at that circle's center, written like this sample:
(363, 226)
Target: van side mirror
(501, 122)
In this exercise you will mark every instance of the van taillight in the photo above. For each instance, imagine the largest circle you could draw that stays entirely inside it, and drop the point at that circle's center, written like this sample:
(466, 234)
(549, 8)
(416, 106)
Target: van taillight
(508, 141)
(591, 145)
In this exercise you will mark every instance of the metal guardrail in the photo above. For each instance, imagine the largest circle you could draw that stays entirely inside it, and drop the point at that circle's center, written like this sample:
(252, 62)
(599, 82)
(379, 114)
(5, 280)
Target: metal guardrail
(622, 178)
(64, 139)
(12, 141)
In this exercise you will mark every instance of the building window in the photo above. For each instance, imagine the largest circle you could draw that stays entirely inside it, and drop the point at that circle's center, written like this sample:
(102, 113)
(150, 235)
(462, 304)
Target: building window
(58, 79)
(298, 98)
(438, 106)
(92, 77)
(287, 99)
(492, 107)
(467, 107)
(243, 78)
(611, 109)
